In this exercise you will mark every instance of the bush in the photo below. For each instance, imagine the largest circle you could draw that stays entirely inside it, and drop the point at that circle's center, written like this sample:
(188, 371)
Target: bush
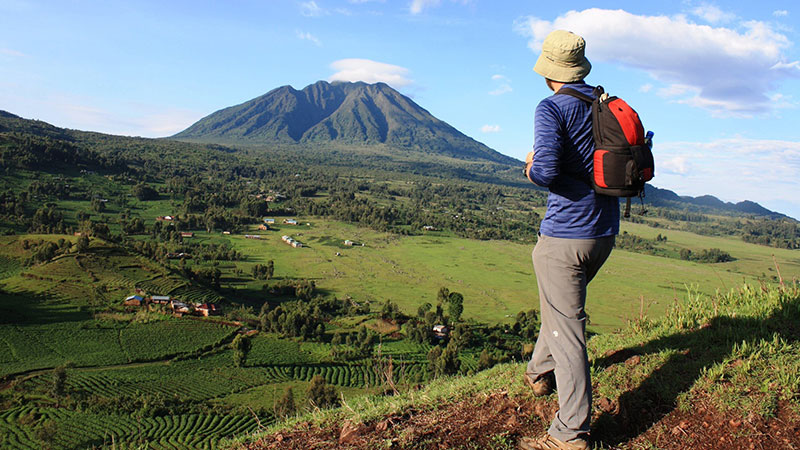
(321, 394)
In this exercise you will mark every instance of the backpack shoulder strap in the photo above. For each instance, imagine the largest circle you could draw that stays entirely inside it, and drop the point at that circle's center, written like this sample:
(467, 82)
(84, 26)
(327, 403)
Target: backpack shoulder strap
(573, 93)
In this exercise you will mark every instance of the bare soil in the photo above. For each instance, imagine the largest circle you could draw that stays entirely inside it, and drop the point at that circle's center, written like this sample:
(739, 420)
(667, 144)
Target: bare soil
(496, 421)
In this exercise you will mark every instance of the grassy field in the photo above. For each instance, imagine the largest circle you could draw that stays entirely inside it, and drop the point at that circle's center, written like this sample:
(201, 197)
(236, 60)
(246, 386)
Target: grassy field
(723, 369)
(67, 312)
(496, 277)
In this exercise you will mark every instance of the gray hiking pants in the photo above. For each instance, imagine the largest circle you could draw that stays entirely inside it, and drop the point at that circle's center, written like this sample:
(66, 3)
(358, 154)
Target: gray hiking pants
(564, 267)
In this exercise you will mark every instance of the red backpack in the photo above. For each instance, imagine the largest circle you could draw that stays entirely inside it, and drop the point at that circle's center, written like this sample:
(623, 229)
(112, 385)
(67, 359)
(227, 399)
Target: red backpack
(623, 156)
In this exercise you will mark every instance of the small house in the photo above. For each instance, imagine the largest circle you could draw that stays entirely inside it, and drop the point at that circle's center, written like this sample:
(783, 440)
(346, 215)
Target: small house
(134, 300)
(187, 234)
(226, 233)
(263, 227)
(440, 331)
(429, 228)
(180, 307)
(290, 221)
(165, 218)
(207, 309)
(269, 221)
(252, 236)
(161, 299)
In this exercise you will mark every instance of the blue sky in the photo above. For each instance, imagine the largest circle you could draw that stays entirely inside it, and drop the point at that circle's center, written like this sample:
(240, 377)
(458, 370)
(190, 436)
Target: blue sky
(718, 83)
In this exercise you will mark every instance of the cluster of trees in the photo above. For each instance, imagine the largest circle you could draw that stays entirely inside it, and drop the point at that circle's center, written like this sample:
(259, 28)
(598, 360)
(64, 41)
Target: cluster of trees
(265, 271)
(159, 251)
(712, 255)
(302, 289)
(40, 250)
(638, 244)
(353, 345)
(320, 395)
(241, 347)
(303, 318)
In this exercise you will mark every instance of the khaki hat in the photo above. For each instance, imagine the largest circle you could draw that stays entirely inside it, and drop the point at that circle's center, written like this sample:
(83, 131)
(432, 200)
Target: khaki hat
(562, 58)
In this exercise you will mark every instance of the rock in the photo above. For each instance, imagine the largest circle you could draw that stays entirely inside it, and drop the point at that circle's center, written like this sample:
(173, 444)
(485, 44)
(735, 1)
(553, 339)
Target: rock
(349, 432)
(608, 406)
(382, 426)
(633, 360)
(512, 422)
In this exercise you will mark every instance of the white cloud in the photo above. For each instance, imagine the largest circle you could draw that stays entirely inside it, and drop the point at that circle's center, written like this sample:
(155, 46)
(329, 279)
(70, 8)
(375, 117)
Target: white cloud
(10, 52)
(417, 6)
(726, 70)
(733, 169)
(502, 85)
(311, 9)
(504, 88)
(646, 88)
(677, 165)
(490, 129)
(780, 13)
(712, 14)
(308, 37)
(369, 71)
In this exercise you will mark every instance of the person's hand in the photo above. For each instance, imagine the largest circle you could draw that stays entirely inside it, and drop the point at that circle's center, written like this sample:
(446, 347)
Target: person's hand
(528, 164)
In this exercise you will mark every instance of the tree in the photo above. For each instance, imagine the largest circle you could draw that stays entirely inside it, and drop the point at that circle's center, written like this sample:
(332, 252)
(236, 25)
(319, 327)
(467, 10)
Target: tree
(285, 407)
(443, 294)
(241, 346)
(321, 394)
(423, 309)
(144, 192)
(455, 306)
(433, 357)
(83, 243)
(270, 269)
(98, 205)
(59, 382)
(486, 360)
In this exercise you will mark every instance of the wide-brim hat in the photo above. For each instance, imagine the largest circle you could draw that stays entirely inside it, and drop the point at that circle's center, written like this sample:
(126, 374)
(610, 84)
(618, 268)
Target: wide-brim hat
(562, 58)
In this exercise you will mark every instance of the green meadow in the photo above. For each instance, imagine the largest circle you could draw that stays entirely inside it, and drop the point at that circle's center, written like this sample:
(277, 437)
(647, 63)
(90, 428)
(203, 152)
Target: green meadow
(495, 277)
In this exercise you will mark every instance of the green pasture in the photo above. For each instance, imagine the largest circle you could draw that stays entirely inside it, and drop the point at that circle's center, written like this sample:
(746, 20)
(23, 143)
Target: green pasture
(495, 277)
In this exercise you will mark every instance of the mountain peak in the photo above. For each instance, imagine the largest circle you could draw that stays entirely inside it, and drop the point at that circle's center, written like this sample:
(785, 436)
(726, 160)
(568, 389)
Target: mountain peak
(338, 112)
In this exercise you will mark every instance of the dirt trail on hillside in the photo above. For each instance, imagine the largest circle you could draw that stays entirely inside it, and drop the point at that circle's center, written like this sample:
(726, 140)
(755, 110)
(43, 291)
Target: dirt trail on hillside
(496, 421)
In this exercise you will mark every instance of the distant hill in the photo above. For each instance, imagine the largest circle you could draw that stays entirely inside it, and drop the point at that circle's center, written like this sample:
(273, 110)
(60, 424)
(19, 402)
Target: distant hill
(707, 204)
(339, 113)
(179, 153)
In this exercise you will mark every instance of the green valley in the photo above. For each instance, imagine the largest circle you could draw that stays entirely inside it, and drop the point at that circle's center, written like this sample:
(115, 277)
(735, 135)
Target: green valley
(166, 294)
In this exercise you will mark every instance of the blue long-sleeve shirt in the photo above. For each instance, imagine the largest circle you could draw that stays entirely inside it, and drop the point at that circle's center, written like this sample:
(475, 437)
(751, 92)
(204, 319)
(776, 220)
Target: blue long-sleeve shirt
(563, 157)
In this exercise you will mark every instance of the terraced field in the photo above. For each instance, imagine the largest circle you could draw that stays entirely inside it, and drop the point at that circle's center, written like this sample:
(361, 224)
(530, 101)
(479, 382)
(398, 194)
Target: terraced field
(171, 337)
(81, 430)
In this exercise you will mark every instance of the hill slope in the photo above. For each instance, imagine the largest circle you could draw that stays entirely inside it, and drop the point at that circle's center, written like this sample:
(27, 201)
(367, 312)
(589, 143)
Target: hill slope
(718, 372)
(340, 112)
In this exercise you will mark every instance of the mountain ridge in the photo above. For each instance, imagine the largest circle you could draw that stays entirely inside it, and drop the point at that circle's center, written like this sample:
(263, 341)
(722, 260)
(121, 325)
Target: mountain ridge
(340, 112)
(656, 196)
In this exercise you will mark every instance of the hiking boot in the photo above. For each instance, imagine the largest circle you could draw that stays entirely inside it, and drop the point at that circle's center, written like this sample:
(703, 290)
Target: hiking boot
(544, 385)
(548, 442)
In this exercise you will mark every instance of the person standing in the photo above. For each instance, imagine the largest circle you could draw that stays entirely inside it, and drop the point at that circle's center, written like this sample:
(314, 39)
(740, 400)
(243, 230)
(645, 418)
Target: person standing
(575, 239)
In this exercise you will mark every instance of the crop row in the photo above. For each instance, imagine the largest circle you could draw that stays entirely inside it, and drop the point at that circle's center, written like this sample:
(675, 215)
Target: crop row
(189, 380)
(193, 294)
(82, 430)
(275, 351)
(8, 267)
(165, 338)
